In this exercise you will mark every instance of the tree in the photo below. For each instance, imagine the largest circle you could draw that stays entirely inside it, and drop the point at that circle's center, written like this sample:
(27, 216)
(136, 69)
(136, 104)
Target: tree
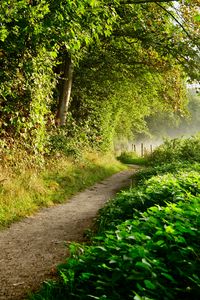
(41, 42)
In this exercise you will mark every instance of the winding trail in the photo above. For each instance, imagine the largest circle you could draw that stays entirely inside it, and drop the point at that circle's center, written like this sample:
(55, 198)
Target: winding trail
(31, 249)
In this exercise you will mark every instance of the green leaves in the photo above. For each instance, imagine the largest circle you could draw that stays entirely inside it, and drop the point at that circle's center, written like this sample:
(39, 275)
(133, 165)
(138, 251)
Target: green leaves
(143, 265)
(197, 18)
(3, 33)
(179, 149)
(148, 241)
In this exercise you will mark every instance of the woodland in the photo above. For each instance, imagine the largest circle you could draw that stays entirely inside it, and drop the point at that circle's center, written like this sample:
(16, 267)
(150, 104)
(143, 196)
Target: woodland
(88, 73)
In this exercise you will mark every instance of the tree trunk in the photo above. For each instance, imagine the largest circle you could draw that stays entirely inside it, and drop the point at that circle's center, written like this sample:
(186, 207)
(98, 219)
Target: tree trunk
(65, 87)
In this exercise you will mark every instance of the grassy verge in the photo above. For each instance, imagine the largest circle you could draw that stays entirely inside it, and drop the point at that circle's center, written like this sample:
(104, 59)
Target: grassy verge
(23, 192)
(132, 158)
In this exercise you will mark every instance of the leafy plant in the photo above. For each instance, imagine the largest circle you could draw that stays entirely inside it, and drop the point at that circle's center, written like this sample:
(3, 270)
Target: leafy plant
(128, 263)
(146, 245)
(177, 150)
(158, 190)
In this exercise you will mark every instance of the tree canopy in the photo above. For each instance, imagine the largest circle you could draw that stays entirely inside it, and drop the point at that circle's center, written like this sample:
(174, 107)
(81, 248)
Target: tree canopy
(124, 60)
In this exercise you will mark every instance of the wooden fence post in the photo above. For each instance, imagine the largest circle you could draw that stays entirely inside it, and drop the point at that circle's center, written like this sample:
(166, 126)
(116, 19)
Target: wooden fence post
(142, 149)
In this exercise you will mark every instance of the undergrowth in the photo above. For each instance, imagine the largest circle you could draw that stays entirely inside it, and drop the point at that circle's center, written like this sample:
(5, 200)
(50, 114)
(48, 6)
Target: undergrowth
(146, 245)
(179, 149)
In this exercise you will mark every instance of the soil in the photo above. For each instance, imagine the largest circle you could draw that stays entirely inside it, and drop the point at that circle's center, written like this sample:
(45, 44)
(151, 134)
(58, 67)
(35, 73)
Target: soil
(31, 248)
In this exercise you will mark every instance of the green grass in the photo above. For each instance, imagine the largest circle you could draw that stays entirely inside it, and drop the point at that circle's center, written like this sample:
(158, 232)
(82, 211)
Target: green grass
(132, 158)
(25, 191)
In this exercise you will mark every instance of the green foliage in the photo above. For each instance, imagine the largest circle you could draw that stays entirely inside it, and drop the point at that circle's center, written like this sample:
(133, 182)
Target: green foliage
(155, 191)
(116, 104)
(142, 255)
(177, 150)
(31, 37)
(129, 61)
(172, 124)
(147, 240)
(132, 158)
(173, 168)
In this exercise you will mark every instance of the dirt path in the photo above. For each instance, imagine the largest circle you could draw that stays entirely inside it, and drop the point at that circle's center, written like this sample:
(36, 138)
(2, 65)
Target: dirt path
(30, 249)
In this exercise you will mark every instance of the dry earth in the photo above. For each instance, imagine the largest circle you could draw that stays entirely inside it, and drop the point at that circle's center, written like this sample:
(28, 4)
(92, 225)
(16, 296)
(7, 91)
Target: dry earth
(31, 249)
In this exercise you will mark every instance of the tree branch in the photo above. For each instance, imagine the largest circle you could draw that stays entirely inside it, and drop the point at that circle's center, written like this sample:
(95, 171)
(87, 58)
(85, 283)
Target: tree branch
(175, 19)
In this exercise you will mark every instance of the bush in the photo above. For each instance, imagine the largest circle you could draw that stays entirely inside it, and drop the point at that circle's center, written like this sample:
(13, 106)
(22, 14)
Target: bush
(158, 261)
(132, 158)
(147, 246)
(177, 150)
(158, 190)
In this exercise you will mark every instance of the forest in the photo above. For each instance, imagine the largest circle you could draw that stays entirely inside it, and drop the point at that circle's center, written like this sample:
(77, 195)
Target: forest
(81, 81)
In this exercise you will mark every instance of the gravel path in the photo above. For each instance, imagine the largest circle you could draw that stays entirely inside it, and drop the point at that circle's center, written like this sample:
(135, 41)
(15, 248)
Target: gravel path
(31, 249)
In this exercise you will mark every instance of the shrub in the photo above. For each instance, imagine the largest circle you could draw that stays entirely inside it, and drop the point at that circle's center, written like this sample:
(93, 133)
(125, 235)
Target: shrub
(147, 242)
(158, 261)
(158, 190)
(177, 150)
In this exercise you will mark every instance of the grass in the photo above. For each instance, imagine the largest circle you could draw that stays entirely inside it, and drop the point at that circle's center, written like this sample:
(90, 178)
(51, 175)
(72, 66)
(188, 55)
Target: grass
(132, 158)
(23, 192)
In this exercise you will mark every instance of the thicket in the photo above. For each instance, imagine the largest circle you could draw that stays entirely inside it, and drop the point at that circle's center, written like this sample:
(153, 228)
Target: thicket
(146, 244)
(179, 149)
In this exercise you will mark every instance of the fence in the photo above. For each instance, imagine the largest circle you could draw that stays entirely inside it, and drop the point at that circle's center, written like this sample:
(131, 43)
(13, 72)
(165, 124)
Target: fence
(142, 149)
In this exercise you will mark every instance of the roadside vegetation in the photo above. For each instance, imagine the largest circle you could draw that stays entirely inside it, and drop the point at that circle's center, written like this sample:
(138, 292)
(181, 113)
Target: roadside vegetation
(24, 190)
(146, 243)
(131, 158)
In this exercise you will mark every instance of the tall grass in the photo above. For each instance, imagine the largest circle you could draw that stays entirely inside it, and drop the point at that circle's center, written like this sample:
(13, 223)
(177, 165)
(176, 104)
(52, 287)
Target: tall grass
(23, 191)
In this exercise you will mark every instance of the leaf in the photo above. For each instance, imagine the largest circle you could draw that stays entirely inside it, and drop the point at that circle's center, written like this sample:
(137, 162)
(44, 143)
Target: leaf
(160, 242)
(197, 18)
(142, 265)
(85, 276)
(137, 297)
(53, 54)
(149, 285)
(168, 276)
(93, 3)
